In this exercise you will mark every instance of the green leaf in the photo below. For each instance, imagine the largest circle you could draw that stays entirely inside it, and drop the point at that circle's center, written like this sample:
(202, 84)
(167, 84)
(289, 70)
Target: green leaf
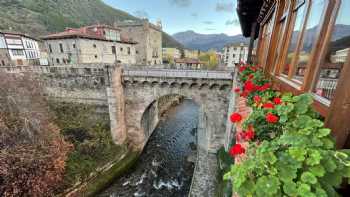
(297, 153)
(308, 177)
(290, 188)
(303, 189)
(323, 132)
(317, 170)
(267, 186)
(314, 158)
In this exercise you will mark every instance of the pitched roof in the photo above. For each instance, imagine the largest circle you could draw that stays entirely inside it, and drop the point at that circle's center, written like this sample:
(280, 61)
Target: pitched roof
(81, 33)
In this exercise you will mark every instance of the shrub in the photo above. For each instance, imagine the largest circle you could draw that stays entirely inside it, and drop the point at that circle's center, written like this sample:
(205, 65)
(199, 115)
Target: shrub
(292, 153)
(33, 153)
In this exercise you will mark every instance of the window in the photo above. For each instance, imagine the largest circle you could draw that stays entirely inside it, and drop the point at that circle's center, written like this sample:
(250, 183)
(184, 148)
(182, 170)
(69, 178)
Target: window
(266, 38)
(129, 52)
(17, 52)
(121, 48)
(50, 48)
(57, 60)
(3, 62)
(61, 48)
(137, 52)
(309, 39)
(298, 24)
(113, 50)
(94, 45)
(337, 54)
(233, 55)
(74, 46)
(95, 56)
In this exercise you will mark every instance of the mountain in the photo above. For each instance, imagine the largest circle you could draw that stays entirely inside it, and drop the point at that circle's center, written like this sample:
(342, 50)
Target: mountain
(40, 17)
(204, 42)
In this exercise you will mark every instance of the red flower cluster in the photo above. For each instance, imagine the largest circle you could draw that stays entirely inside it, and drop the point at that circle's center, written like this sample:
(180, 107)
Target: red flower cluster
(235, 117)
(264, 87)
(268, 106)
(251, 76)
(277, 101)
(237, 90)
(249, 135)
(242, 68)
(271, 118)
(237, 149)
(257, 99)
(249, 86)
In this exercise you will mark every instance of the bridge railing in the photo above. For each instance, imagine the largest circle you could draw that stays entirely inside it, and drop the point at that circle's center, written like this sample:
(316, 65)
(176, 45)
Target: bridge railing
(205, 74)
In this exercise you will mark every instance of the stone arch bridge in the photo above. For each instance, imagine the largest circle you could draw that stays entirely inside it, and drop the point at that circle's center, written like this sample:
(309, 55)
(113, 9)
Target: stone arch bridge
(137, 99)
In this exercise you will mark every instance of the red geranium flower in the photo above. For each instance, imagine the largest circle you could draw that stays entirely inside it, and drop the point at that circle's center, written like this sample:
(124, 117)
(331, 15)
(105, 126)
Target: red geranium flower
(268, 106)
(244, 94)
(253, 68)
(235, 117)
(242, 68)
(237, 149)
(257, 99)
(264, 87)
(277, 101)
(271, 118)
(251, 76)
(249, 86)
(250, 134)
(237, 90)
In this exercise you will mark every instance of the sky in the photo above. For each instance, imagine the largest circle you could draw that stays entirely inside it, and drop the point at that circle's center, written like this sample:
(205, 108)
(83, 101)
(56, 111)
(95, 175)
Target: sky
(201, 16)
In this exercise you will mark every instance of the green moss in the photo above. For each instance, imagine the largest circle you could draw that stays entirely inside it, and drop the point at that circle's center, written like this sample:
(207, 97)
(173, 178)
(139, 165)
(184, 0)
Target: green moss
(104, 179)
(89, 132)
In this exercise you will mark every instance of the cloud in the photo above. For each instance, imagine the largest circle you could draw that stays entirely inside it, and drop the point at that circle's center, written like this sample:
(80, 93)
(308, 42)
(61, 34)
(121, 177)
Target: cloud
(225, 7)
(232, 22)
(194, 15)
(181, 3)
(208, 22)
(141, 14)
(210, 29)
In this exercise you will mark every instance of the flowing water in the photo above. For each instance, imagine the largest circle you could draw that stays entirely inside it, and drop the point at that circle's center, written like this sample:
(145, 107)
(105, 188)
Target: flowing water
(163, 169)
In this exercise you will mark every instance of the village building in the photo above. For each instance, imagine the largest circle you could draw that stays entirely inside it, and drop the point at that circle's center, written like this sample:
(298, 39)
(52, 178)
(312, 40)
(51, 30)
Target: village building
(149, 40)
(188, 63)
(192, 54)
(234, 54)
(89, 45)
(18, 49)
(170, 54)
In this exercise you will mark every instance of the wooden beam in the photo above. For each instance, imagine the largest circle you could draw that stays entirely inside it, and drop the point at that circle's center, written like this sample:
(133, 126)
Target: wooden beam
(338, 118)
(251, 43)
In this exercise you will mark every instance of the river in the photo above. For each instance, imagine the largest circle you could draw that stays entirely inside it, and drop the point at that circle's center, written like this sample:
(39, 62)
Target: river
(163, 169)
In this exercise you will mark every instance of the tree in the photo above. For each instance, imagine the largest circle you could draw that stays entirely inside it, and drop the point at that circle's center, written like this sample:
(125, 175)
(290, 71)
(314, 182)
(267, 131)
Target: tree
(33, 153)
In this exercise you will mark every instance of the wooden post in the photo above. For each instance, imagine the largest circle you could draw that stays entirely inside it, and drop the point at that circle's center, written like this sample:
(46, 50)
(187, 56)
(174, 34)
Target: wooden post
(339, 114)
(251, 43)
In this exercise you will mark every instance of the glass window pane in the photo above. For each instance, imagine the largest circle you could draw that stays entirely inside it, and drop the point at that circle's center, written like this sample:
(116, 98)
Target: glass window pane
(294, 39)
(338, 51)
(309, 38)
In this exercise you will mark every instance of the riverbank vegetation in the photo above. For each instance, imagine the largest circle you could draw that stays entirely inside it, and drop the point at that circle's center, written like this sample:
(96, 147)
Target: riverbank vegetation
(87, 128)
(32, 151)
(282, 147)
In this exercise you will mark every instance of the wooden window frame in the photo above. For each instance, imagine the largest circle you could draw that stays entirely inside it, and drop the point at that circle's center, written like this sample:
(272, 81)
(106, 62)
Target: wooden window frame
(285, 84)
(282, 62)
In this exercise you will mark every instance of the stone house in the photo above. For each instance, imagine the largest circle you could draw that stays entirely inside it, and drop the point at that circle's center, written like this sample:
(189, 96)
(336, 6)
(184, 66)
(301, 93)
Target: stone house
(149, 40)
(88, 45)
